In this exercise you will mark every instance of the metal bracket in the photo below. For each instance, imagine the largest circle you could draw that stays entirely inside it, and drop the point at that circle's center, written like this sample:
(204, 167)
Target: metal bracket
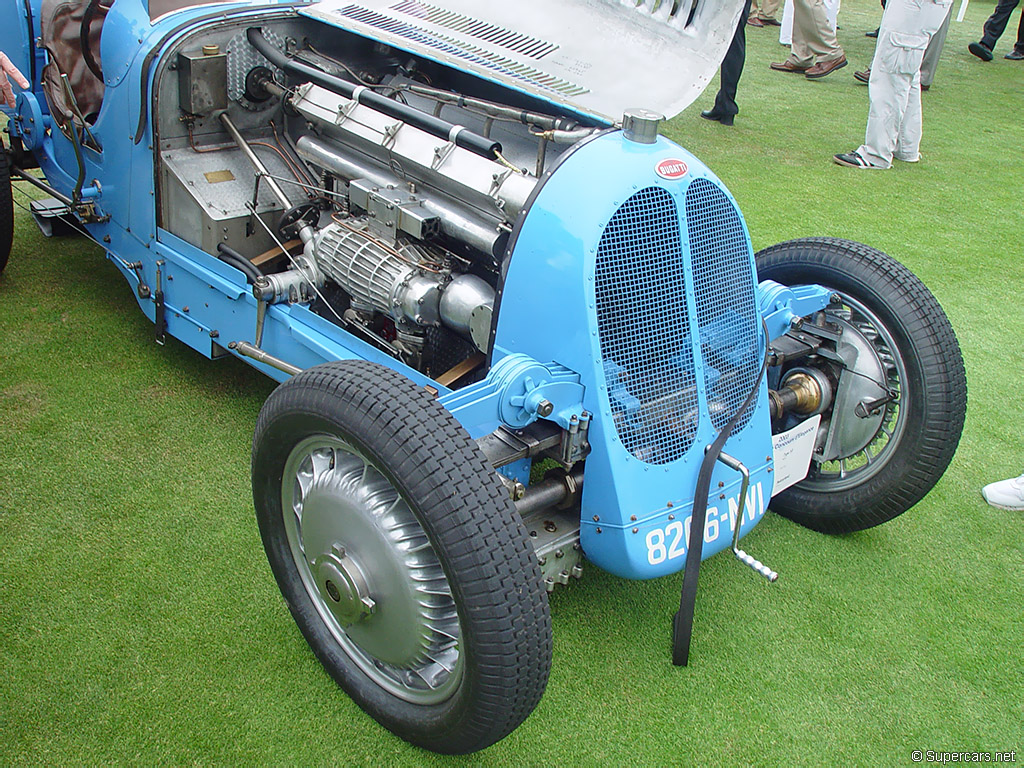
(158, 302)
(390, 131)
(441, 154)
(344, 110)
(141, 289)
(782, 306)
(575, 445)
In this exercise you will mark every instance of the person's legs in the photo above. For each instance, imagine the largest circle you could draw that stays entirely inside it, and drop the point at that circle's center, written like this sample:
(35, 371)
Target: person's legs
(801, 54)
(894, 114)
(732, 68)
(996, 23)
(908, 140)
(767, 11)
(934, 50)
(818, 34)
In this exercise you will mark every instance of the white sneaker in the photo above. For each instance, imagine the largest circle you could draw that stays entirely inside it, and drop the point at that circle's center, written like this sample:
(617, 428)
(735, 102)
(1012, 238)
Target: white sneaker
(1006, 494)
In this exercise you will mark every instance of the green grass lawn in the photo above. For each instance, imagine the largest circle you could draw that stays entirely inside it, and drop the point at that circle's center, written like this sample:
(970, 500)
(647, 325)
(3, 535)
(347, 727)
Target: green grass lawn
(140, 623)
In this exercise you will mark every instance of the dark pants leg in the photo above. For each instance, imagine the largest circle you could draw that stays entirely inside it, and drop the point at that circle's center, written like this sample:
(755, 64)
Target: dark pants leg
(1020, 34)
(997, 22)
(732, 68)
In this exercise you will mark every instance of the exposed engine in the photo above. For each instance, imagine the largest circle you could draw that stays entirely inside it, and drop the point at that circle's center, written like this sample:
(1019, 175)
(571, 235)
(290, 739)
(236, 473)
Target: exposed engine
(387, 197)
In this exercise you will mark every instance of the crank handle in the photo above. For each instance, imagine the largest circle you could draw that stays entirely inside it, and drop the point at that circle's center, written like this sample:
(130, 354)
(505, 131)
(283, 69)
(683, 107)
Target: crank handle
(757, 565)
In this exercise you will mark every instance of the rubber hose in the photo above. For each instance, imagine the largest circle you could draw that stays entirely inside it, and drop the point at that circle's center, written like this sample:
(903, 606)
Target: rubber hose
(229, 255)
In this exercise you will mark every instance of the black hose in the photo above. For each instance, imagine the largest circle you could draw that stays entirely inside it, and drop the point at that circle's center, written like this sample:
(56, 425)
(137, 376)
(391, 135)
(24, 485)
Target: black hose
(229, 255)
(442, 129)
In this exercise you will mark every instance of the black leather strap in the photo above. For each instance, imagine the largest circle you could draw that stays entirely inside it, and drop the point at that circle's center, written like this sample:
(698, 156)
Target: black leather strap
(682, 623)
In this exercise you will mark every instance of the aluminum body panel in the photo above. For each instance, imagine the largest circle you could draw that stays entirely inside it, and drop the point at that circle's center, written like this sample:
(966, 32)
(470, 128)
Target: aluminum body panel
(206, 194)
(600, 56)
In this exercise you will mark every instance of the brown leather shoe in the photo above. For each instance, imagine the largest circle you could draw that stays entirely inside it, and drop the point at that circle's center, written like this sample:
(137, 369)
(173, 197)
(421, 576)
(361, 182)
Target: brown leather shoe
(755, 22)
(823, 68)
(787, 66)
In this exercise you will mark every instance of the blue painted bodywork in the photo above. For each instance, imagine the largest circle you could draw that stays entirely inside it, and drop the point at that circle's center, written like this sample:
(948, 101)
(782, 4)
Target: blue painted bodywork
(546, 345)
(550, 285)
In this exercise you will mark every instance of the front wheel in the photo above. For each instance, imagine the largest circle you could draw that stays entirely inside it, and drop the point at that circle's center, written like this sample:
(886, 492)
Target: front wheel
(401, 559)
(876, 463)
(6, 208)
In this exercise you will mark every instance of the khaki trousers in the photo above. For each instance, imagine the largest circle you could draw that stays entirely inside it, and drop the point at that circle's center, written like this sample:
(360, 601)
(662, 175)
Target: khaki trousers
(764, 9)
(814, 40)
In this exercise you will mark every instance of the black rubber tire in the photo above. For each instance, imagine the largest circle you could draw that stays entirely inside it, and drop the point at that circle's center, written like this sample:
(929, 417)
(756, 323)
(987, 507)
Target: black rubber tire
(6, 208)
(935, 375)
(472, 525)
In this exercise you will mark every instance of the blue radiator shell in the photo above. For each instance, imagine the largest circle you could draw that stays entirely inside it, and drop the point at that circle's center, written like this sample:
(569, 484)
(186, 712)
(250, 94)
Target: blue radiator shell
(558, 304)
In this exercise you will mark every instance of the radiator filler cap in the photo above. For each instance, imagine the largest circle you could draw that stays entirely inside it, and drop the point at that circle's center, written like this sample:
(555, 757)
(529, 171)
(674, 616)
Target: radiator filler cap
(641, 125)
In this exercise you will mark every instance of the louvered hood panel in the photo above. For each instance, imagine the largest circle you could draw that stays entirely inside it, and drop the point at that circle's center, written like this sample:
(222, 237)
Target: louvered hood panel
(597, 56)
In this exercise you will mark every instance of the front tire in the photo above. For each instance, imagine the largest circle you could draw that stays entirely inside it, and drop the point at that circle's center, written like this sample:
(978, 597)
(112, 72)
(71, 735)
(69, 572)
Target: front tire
(898, 318)
(401, 559)
(6, 208)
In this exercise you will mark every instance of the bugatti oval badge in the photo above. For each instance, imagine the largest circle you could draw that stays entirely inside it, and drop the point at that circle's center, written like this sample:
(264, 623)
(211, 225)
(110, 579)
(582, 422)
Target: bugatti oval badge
(673, 168)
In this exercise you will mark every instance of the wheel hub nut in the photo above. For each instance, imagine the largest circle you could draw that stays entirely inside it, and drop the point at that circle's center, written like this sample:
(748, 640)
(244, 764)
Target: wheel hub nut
(340, 579)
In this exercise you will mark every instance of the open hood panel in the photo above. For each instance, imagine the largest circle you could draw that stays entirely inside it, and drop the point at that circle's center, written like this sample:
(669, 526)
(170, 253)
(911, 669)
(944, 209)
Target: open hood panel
(598, 56)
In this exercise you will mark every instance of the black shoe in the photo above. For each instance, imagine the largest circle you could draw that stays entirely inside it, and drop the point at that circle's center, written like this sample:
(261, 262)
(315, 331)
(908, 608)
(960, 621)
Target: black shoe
(720, 117)
(1015, 55)
(872, 34)
(981, 51)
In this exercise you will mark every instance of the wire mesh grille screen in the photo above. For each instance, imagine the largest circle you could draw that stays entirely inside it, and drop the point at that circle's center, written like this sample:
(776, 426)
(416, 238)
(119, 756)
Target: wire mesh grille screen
(726, 310)
(643, 325)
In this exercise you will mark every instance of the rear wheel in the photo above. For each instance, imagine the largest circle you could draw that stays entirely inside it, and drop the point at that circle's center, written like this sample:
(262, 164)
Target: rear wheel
(6, 208)
(401, 559)
(899, 346)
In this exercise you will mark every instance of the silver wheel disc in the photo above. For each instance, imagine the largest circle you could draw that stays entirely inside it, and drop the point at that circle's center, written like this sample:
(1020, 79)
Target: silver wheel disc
(370, 570)
(858, 467)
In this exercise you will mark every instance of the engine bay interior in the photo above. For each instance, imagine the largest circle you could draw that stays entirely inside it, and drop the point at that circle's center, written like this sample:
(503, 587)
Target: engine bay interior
(378, 187)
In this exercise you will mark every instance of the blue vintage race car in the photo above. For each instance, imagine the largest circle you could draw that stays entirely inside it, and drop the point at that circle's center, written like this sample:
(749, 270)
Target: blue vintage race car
(516, 328)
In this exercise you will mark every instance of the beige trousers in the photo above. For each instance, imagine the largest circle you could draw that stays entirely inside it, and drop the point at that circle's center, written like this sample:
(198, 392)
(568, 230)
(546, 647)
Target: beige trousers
(764, 9)
(814, 40)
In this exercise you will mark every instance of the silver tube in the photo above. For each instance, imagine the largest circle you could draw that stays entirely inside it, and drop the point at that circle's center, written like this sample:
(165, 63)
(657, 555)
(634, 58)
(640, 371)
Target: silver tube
(456, 221)
(248, 350)
(550, 492)
(487, 107)
(43, 186)
(256, 162)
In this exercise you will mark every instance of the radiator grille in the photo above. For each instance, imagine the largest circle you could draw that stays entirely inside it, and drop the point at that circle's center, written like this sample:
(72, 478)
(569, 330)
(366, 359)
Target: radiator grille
(727, 316)
(643, 326)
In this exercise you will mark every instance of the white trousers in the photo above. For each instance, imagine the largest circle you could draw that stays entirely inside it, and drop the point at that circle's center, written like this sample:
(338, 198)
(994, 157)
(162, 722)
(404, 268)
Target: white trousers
(894, 116)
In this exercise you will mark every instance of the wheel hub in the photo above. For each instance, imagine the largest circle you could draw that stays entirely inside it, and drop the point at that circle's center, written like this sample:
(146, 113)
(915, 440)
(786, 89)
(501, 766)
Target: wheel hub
(343, 585)
(370, 570)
